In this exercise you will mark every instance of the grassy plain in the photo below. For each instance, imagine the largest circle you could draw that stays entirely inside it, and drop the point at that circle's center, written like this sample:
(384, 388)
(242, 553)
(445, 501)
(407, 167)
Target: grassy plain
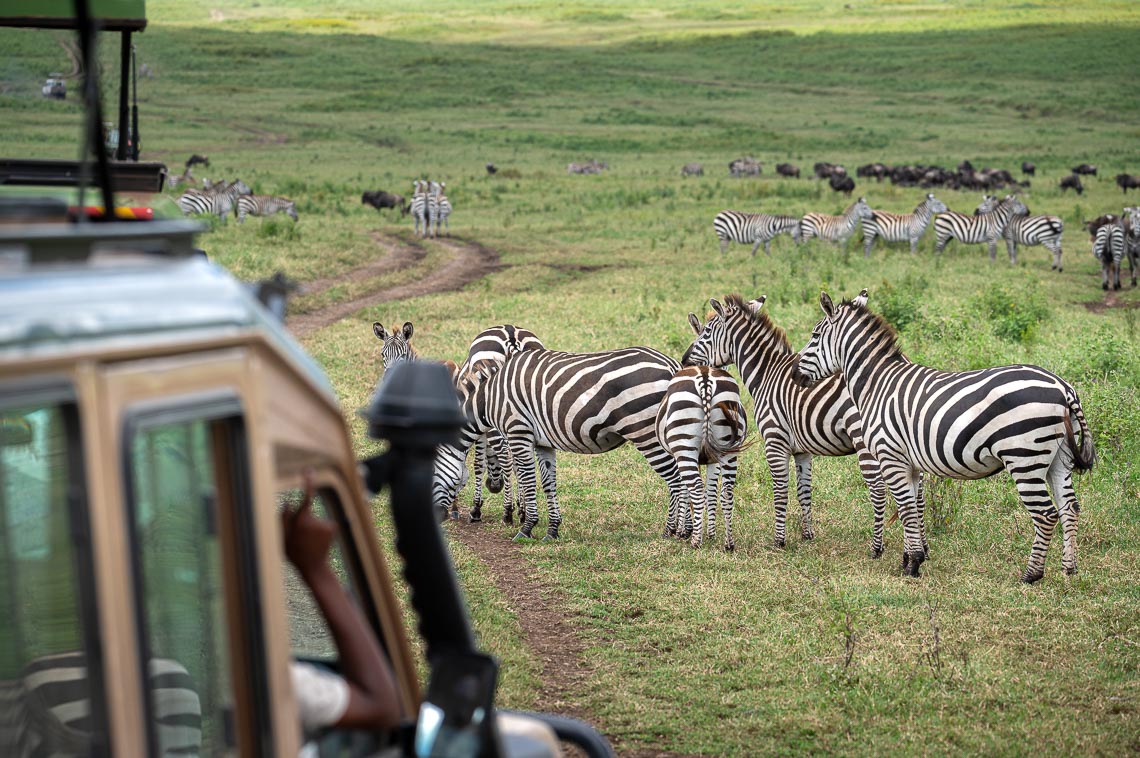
(816, 648)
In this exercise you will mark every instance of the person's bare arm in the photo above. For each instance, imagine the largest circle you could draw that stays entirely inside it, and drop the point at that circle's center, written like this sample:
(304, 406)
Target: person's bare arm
(373, 701)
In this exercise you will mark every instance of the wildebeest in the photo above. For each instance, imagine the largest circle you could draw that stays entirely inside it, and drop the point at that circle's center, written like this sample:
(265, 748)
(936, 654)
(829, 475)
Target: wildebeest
(1127, 182)
(877, 170)
(692, 169)
(1073, 182)
(747, 166)
(824, 170)
(196, 159)
(842, 183)
(789, 170)
(491, 169)
(379, 199)
(590, 167)
(1085, 168)
(1029, 169)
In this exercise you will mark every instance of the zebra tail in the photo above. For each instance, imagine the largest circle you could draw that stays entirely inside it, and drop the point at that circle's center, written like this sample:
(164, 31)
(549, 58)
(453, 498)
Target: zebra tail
(1084, 456)
(710, 450)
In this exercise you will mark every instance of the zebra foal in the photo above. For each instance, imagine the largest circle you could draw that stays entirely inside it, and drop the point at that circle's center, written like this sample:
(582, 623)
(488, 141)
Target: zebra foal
(544, 400)
(963, 425)
(837, 229)
(793, 421)
(701, 421)
(901, 227)
(755, 228)
(264, 205)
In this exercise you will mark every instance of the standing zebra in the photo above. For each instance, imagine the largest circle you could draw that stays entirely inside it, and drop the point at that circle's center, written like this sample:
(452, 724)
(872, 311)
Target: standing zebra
(701, 421)
(901, 227)
(793, 421)
(589, 403)
(264, 205)
(495, 344)
(432, 199)
(1131, 223)
(419, 206)
(737, 226)
(963, 425)
(837, 229)
(985, 228)
(1109, 249)
(443, 208)
(218, 200)
(1029, 230)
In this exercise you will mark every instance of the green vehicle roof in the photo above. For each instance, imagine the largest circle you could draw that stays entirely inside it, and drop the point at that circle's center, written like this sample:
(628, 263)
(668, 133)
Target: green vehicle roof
(114, 15)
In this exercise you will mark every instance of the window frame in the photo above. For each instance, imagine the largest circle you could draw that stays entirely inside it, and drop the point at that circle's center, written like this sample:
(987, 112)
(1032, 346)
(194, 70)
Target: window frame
(225, 414)
(61, 394)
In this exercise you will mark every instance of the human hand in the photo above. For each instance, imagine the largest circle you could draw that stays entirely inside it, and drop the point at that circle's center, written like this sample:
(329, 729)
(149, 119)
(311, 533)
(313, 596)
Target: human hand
(307, 537)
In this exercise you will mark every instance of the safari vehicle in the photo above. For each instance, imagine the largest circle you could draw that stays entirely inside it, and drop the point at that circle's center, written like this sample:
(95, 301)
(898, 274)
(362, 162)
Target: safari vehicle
(154, 416)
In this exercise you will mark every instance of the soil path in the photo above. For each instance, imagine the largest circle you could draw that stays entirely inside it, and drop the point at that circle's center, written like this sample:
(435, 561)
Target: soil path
(468, 262)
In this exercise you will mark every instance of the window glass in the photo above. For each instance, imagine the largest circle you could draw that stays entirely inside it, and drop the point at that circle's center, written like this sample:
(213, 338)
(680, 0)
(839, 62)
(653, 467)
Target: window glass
(45, 688)
(174, 499)
(308, 631)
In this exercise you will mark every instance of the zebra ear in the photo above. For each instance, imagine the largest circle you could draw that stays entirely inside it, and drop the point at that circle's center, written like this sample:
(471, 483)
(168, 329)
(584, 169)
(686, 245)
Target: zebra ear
(861, 298)
(716, 306)
(757, 304)
(452, 369)
(826, 304)
(407, 330)
(695, 323)
(378, 330)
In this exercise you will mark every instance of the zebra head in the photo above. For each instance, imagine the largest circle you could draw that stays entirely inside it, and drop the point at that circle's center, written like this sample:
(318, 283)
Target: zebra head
(821, 356)
(291, 210)
(935, 205)
(861, 209)
(241, 188)
(396, 345)
(713, 346)
(989, 202)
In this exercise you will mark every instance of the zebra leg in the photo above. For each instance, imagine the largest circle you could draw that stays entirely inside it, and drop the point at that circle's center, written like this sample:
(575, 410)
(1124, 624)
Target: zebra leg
(727, 471)
(1011, 248)
(477, 495)
(901, 479)
(495, 452)
(993, 250)
(548, 470)
(868, 241)
(777, 454)
(523, 457)
(690, 473)
(869, 468)
(803, 493)
(723, 246)
(767, 248)
(755, 247)
(1036, 499)
(712, 475)
(1061, 483)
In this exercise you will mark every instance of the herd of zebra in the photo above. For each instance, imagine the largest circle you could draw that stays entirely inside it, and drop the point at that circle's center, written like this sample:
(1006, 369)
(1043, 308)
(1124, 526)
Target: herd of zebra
(1114, 238)
(430, 207)
(222, 198)
(850, 391)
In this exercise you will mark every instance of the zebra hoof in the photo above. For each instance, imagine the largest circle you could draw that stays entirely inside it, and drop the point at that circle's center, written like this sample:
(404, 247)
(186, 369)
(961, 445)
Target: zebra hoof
(778, 544)
(475, 518)
(1069, 570)
(729, 547)
(455, 515)
(911, 562)
(876, 553)
(695, 544)
(1029, 577)
(808, 535)
(1104, 287)
(522, 536)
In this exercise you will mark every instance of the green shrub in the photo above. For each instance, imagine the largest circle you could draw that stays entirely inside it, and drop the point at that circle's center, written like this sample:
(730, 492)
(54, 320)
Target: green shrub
(277, 226)
(900, 305)
(1013, 312)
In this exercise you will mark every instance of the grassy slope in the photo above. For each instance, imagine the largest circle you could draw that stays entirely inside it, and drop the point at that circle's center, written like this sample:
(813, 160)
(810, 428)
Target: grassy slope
(702, 652)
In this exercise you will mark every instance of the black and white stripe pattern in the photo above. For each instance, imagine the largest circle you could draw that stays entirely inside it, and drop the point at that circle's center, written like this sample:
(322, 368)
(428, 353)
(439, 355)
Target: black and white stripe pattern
(589, 403)
(901, 227)
(754, 229)
(701, 421)
(983, 228)
(794, 422)
(218, 200)
(47, 711)
(419, 206)
(396, 343)
(963, 425)
(1131, 223)
(1028, 231)
(264, 205)
(837, 229)
(491, 453)
(432, 201)
(442, 210)
(1109, 248)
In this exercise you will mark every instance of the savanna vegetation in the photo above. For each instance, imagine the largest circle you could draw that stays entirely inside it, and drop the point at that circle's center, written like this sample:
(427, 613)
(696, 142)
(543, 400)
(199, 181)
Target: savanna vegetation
(815, 648)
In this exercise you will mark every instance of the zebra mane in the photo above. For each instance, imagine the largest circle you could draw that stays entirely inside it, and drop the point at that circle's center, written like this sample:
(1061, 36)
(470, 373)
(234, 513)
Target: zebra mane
(760, 318)
(883, 328)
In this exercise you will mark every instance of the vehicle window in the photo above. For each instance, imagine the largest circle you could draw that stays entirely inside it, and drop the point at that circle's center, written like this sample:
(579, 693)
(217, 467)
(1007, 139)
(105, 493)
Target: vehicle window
(49, 698)
(309, 634)
(174, 510)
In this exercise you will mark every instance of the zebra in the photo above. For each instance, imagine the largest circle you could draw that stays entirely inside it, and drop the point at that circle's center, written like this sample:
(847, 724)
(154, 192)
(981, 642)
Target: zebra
(264, 205)
(963, 425)
(397, 343)
(218, 200)
(836, 229)
(491, 454)
(443, 209)
(1109, 249)
(1029, 230)
(1130, 221)
(986, 227)
(793, 421)
(702, 421)
(432, 200)
(737, 226)
(419, 206)
(48, 710)
(544, 400)
(904, 227)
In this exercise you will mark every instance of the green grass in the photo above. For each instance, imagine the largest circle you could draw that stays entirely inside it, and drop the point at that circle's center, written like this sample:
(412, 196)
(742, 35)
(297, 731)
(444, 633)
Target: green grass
(699, 652)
